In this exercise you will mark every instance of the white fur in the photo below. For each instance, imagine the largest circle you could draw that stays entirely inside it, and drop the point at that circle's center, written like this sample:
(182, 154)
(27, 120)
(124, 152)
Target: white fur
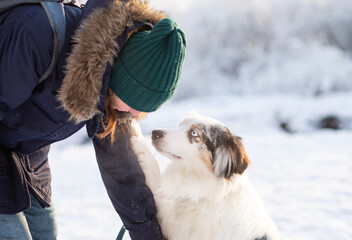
(193, 202)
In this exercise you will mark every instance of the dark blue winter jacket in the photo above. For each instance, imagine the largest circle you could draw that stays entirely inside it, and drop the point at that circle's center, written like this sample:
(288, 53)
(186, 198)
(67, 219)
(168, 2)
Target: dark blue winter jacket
(32, 116)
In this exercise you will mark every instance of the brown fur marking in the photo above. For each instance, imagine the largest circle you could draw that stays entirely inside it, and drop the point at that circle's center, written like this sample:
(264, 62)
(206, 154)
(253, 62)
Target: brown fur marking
(242, 159)
(191, 138)
(206, 159)
(225, 143)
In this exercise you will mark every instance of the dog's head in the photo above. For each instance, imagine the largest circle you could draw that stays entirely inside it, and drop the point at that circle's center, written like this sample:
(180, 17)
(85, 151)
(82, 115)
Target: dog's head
(205, 141)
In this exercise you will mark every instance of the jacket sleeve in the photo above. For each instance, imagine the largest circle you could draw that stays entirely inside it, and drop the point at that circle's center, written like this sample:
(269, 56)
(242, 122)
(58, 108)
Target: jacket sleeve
(21, 64)
(125, 184)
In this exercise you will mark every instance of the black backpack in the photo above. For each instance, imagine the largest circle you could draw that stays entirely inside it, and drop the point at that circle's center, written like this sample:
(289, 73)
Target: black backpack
(56, 15)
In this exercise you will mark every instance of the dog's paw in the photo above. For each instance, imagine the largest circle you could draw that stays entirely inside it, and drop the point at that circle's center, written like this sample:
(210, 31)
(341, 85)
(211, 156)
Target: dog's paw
(139, 145)
(142, 151)
(135, 129)
(147, 161)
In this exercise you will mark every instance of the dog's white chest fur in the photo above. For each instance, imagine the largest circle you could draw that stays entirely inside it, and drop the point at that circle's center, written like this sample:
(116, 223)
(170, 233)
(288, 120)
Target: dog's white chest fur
(208, 208)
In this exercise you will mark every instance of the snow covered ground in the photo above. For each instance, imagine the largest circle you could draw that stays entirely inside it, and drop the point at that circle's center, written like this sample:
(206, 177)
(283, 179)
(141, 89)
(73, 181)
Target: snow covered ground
(255, 66)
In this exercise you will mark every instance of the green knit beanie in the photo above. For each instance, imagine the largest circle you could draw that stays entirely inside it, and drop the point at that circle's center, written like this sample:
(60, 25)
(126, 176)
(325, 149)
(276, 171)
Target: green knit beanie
(148, 68)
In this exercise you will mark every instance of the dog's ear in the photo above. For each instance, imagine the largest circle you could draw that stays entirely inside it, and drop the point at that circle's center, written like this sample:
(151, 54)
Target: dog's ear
(230, 157)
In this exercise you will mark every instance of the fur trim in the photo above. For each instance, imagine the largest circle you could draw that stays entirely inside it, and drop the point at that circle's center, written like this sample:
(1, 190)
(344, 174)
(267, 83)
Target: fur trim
(96, 46)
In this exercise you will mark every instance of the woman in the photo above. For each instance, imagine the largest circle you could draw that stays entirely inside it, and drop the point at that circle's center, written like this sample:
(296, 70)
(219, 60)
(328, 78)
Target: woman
(126, 59)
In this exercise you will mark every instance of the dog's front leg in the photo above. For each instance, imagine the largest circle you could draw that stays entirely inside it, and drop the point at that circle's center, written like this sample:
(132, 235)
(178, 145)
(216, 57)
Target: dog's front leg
(145, 157)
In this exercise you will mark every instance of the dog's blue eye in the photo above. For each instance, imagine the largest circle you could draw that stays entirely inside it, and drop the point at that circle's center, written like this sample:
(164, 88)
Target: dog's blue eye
(194, 133)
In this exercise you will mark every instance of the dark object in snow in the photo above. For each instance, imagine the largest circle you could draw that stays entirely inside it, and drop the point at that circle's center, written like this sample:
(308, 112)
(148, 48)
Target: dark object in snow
(285, 126)
(284, 123)
(330, 122)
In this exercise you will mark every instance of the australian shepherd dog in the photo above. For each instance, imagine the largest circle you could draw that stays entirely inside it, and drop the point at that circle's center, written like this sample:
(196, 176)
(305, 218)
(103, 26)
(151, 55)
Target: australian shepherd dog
(204, 193)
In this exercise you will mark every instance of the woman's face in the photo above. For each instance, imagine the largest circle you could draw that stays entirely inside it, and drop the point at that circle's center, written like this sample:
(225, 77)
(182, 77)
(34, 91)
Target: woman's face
(118, 104)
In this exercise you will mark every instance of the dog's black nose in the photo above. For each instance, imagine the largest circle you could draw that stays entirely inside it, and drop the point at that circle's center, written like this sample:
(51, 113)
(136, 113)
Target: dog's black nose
(156, 134)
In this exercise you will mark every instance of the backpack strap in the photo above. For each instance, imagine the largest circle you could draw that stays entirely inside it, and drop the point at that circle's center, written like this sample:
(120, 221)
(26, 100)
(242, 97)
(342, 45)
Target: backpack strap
(8, 4)
(56, 15)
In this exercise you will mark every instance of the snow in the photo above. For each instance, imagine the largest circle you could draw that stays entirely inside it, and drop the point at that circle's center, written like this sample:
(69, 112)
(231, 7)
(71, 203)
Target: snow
(251, 65)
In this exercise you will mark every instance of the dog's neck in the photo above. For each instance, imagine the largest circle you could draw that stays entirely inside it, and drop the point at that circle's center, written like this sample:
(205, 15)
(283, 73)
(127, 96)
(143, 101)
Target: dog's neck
(181, 181)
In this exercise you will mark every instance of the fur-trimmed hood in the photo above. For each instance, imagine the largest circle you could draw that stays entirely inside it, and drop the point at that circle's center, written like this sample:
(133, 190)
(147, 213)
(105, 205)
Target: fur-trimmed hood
(96, 47)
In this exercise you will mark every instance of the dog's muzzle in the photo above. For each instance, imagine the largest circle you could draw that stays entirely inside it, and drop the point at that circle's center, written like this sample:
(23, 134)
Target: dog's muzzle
(157, 134)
